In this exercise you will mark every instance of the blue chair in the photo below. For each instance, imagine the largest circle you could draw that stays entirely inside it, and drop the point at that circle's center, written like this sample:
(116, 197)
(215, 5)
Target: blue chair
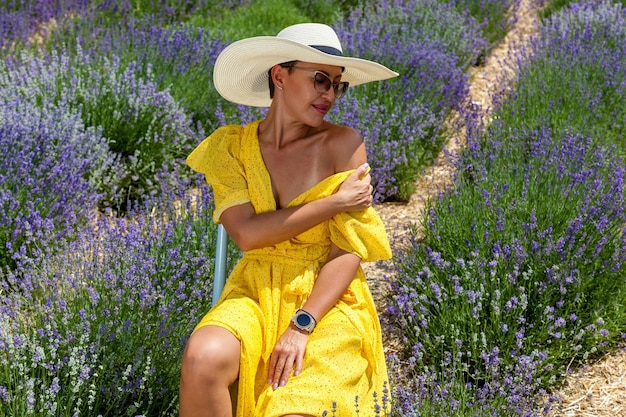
(219, 274)
(219, 278)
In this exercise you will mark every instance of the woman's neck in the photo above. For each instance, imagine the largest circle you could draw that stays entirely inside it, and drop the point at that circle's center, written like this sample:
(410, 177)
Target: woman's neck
(278, 130)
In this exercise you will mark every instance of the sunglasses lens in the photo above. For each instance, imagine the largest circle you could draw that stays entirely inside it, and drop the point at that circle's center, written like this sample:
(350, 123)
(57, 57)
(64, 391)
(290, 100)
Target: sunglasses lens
(340, 89)
(322, 82)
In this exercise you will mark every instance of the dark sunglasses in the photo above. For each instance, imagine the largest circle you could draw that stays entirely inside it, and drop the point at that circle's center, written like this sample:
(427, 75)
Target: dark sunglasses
(322, 83)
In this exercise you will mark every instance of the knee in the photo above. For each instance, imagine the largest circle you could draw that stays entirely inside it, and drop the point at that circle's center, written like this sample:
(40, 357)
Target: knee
(211, 356)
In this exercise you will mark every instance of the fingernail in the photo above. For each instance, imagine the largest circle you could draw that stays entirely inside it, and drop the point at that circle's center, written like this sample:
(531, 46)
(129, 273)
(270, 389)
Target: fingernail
(365, 165)
(282, 383)
(296, 373)
(275, 386)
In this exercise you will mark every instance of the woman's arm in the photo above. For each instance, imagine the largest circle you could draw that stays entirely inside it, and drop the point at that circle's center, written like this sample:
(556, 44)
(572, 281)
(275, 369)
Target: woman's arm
(250, 230)
(333, 280)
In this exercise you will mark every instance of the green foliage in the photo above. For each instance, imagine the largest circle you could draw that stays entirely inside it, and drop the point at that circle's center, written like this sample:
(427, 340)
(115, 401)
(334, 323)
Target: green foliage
(573, 89)
(113, 12)
(554, 6)
(257, 19)
(493, 16)
(146, 128)
(327, 11)
(269, 17)
(586, 94)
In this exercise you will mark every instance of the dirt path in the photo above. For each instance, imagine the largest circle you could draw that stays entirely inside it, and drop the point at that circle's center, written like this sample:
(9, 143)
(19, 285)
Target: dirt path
(598, 390)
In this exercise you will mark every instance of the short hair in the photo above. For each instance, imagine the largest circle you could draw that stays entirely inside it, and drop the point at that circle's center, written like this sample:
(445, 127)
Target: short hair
(288, 65)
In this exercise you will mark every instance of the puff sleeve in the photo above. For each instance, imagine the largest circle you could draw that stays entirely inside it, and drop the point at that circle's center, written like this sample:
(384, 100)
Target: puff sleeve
(217, 157)
(361, 233)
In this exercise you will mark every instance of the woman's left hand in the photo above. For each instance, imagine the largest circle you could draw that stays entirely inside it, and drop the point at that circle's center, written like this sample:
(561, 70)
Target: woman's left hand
(287, 354)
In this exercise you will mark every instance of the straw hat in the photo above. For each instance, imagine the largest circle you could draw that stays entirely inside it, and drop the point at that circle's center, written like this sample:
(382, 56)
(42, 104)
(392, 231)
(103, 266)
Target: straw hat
(241, 70)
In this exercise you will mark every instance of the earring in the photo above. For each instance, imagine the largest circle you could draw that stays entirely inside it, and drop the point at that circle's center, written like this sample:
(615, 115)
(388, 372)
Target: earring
(279, 87)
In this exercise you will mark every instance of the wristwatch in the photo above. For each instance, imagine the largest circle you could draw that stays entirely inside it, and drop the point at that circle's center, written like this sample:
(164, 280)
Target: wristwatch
(304, 321)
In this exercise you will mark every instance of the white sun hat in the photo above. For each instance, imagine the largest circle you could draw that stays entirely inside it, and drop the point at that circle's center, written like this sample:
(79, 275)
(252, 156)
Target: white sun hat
(241, 70)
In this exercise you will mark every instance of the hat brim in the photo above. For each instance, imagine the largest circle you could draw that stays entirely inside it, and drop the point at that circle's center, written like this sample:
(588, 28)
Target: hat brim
(240, 74)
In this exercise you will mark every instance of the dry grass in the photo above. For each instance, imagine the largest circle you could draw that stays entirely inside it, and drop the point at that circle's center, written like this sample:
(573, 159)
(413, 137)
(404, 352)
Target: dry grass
(597, 390)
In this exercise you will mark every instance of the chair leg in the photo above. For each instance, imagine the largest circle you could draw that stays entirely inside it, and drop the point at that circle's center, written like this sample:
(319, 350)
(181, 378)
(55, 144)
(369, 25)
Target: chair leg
(219, 275)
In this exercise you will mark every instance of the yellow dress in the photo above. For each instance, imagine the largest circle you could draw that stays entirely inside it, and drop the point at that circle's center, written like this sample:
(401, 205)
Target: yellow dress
(344, 355)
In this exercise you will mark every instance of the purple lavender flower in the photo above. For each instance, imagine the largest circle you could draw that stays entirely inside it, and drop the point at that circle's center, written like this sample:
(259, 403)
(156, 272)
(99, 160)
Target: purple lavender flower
(45, 174)
(122, 348)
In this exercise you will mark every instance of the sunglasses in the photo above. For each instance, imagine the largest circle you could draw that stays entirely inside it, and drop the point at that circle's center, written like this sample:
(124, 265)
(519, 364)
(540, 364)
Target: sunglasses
(322, 83)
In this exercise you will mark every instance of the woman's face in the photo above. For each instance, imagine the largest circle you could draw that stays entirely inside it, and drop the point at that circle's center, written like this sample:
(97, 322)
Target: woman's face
(310, 90)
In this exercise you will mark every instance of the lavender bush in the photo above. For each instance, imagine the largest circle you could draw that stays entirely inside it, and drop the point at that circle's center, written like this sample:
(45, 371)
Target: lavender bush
(493, 16)
(553, 6)
(520, 273)
(144, 127)
(168, 11)
(47, 171)
(527, 282)
(580, 58)
(99, 329)
(511, 281)
(178, 58)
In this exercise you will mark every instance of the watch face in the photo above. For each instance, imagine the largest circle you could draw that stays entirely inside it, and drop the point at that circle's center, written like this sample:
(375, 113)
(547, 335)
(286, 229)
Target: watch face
(303, 320)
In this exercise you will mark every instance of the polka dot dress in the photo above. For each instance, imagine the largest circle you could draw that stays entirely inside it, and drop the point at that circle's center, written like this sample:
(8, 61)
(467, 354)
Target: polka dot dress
(344, 356)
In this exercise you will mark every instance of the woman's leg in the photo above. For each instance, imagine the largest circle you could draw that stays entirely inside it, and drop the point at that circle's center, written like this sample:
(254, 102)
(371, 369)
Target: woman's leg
(210, 366)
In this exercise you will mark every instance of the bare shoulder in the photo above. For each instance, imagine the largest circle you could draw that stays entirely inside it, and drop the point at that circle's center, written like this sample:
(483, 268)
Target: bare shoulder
(345, 146)
(341, 135)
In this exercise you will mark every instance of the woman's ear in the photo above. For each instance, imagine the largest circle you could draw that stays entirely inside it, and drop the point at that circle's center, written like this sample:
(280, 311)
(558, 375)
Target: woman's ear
(277, 75)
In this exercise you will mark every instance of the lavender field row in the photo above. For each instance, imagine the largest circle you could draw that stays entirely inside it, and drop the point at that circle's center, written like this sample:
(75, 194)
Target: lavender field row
(521, 277)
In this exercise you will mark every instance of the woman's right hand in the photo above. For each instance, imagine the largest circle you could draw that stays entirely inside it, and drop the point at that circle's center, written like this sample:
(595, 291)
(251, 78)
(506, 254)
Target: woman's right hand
(356, 191)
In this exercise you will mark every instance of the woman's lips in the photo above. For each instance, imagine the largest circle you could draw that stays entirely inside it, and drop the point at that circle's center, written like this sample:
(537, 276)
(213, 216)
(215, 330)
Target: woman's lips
(322, 108)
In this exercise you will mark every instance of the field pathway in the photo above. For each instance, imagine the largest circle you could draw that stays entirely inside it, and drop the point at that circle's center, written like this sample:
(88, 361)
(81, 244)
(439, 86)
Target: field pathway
(597, 390)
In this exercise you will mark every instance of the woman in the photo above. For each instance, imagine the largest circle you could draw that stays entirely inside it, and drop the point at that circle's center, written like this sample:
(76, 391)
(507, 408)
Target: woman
(295, 329)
